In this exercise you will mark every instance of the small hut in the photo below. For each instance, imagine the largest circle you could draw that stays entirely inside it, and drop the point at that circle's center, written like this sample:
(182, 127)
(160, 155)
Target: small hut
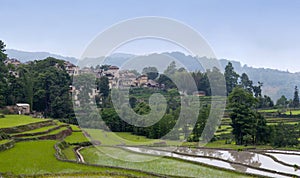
(23, 108)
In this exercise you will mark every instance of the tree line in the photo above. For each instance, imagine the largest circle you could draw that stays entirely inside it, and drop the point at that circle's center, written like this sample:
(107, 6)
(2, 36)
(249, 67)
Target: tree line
(44, 84)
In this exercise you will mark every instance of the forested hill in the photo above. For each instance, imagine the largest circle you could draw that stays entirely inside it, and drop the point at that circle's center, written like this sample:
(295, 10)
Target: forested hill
(276, 82)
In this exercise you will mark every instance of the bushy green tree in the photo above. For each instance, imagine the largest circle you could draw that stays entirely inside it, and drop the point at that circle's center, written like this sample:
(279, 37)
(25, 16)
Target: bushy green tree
(151, 72)
(285, 135)
(244, 117)
(231, 77)
(246, 83)
(282, 102)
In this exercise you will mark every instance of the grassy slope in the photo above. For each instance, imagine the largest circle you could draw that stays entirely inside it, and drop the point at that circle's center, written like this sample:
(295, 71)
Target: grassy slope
(16, 120)
(160, 165)
(37, 157)
(117, 138)
(76, 137)
(69, 153)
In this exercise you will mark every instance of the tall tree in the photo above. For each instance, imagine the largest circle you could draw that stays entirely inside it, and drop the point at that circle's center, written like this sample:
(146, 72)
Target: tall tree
(103, 86)
(296, 98)
(151, 72)
(243, 116)
(246, 83)
(3, 75)
(257, 90)
(231, 77)
(3, 56)
(171, 69)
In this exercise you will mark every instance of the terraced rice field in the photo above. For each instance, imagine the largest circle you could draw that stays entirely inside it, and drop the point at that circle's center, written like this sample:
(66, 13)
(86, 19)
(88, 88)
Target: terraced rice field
(117, 156)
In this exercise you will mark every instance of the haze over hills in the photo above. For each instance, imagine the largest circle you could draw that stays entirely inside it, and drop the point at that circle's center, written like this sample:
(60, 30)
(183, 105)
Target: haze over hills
(276, 82)
(25, 56)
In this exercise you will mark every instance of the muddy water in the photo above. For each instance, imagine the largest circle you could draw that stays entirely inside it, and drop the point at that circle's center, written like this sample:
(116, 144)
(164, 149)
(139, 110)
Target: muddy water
(288, 159)
(246, 158)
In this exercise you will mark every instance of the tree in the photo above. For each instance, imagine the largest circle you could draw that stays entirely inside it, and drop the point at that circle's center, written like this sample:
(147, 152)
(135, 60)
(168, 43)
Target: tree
(166, 81)
(171, 69)
(243, 116)
(282, 102)
(257, 89)
(296, 98)
(246, 83)
(151, 72)
(202, 82)
(51, 85)
(3, 56)
(103, 85)
(3, 76)
(231, 77)
(265, 102)
(200, 124)
(285, 135)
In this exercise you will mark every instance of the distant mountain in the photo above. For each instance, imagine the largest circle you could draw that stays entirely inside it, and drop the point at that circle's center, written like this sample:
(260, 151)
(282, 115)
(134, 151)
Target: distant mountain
(25, 56)
(276, 82)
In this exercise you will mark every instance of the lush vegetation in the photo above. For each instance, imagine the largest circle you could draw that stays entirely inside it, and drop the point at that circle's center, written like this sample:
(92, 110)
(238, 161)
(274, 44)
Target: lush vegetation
(44, 84)
(37, 157)
(15, 120)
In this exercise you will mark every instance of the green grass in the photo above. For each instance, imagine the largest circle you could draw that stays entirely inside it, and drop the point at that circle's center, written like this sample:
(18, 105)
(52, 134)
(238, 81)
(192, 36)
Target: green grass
(17, 120)
(69, 153)
(59, 123)
(168, 166)
(76, 137)
(131, 137)
(294, 112)
(222, 145)
(224, 129)
(268, 111)
(124, 138)
(37, 157)
(75, 128)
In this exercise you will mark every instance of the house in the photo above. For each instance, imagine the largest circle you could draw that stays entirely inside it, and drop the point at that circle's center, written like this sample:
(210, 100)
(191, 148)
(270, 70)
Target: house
(86, 70)
(141, 80)
(152, 84)
(113, 70)
(13, 62)
(23, 108)
(71, 69)
(126, 79)
(199, 93)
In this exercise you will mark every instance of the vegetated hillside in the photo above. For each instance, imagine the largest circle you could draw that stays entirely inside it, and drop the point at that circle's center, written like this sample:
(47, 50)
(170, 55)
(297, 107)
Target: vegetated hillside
(276, 82)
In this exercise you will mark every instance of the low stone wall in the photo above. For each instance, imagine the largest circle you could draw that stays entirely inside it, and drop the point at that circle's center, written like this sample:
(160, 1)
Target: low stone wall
(7, 145)
(24, 128)
(38, 133)
(59, 136)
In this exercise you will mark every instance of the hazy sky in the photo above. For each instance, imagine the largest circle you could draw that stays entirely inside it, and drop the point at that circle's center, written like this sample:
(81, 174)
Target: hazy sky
(260, 33)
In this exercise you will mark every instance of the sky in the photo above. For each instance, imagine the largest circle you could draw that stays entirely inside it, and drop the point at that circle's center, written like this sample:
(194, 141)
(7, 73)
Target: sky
(257, 33)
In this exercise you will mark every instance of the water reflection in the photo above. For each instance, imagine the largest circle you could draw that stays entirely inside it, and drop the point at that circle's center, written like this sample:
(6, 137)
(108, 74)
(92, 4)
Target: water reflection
(227, 159)
(242, 157)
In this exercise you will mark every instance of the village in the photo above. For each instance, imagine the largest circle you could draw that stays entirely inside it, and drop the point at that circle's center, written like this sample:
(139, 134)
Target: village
(117, 79)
